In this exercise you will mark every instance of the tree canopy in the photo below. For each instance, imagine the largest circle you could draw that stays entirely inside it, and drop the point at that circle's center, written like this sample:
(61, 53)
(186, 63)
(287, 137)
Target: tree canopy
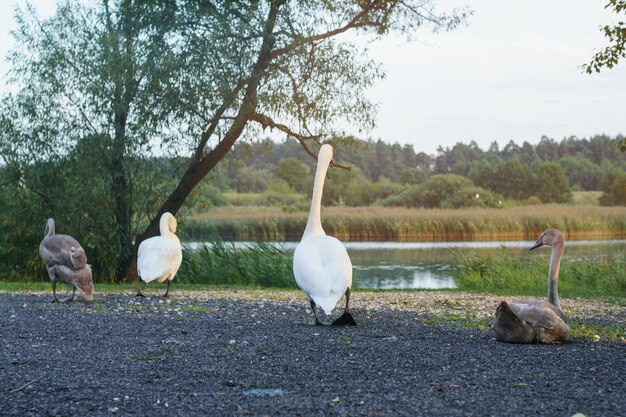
(609, 56)
(117, 82)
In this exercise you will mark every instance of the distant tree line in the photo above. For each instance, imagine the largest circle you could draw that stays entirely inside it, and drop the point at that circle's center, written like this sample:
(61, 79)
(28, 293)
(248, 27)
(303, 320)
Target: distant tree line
(394, 174)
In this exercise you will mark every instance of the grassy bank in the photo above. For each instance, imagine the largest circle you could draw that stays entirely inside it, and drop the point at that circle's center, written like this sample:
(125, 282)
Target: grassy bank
(497, 272)
(151, 289)
(262, 265)
(400, 224)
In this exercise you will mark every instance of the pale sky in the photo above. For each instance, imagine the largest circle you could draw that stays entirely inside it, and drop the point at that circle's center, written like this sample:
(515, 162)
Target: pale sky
(513, 73)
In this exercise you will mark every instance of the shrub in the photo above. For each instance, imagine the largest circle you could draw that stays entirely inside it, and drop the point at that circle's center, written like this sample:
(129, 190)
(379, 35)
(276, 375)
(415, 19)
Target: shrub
(209, 196)
(533, 200)
(472, 197)
(251, 180)
(613, 189)
(365, 193)
(409, 197)
(273, 198)
(552, 184)
(293, 172)
(432, 193)
(279, 185)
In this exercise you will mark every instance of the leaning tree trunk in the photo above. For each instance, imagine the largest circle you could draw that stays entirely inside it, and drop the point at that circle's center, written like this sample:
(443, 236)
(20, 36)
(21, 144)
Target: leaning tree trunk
(199, 167)
(121, 192)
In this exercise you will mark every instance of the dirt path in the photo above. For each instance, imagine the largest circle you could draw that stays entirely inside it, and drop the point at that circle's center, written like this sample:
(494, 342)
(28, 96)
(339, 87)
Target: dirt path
(255, 353)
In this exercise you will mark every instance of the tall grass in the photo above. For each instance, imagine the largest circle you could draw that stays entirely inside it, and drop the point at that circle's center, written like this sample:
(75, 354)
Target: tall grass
(498, 272)
(258, 265)
(384, 223)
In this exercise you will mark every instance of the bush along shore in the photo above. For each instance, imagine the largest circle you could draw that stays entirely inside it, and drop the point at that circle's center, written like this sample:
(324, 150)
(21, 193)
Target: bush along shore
(397, 224)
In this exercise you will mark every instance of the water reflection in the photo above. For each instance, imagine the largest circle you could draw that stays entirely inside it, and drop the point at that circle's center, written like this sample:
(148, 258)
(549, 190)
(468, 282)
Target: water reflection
(429, 265)
(402, 277)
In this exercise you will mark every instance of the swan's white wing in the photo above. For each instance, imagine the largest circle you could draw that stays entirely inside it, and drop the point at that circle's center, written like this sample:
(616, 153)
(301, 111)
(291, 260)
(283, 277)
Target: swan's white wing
(158, 258)
(323, 270)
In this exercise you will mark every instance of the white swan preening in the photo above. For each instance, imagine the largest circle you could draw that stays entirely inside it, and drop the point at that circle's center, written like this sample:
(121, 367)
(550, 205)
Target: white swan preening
(159, 257)
(536, 321)
(65, 259)
(321, 264)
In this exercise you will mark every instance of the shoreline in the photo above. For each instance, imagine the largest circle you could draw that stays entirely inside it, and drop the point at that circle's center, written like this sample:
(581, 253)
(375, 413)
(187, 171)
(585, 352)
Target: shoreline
(462, 304)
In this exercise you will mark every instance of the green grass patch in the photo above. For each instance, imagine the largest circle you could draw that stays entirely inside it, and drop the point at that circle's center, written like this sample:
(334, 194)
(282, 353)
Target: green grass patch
(612, 332)
(498, 272)
(344, 340)
(146, 357)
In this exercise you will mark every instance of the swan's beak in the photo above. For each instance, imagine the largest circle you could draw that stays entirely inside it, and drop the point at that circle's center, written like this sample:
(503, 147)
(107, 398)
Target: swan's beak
(537, 244)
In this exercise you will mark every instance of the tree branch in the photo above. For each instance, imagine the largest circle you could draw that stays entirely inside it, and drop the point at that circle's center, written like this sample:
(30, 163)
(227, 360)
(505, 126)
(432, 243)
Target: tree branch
(266, 122)
(215, 120)
(354, 23)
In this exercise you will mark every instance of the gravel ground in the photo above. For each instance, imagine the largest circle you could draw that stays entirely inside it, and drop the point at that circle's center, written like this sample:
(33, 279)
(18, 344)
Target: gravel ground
(256, 353)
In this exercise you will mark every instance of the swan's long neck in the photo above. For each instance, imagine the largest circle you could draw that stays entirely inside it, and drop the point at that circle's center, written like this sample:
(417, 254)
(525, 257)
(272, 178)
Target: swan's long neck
(49, 230)
(553, 274)
(314, 225)
(164, 227)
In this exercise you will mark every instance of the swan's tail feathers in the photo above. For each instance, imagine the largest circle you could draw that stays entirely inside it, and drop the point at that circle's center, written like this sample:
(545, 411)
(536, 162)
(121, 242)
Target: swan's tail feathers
(328, 302)
(345, 319)
(509, 327)
(328, 305)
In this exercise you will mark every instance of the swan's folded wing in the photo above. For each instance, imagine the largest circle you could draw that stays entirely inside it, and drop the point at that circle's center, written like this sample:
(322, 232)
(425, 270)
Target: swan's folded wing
(55, 250)
(337, 265)
(539, 315)
(158, 257)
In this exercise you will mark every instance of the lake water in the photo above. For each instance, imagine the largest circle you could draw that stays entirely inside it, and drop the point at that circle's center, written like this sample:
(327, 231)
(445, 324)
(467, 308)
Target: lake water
(387, 265)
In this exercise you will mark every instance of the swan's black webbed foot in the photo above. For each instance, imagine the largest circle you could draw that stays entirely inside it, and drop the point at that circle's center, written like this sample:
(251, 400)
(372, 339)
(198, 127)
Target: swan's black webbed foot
(55, 300)
(345, 319)
(139, 294)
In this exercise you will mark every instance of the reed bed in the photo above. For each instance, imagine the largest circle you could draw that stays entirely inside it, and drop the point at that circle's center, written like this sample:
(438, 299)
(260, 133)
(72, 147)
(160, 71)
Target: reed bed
(498, 272)
(258, 265)
(401, 224)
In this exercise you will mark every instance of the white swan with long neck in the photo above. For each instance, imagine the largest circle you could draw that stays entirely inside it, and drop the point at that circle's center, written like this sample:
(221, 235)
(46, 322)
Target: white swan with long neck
(159, 257)
(321, 264)
(536, 321)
